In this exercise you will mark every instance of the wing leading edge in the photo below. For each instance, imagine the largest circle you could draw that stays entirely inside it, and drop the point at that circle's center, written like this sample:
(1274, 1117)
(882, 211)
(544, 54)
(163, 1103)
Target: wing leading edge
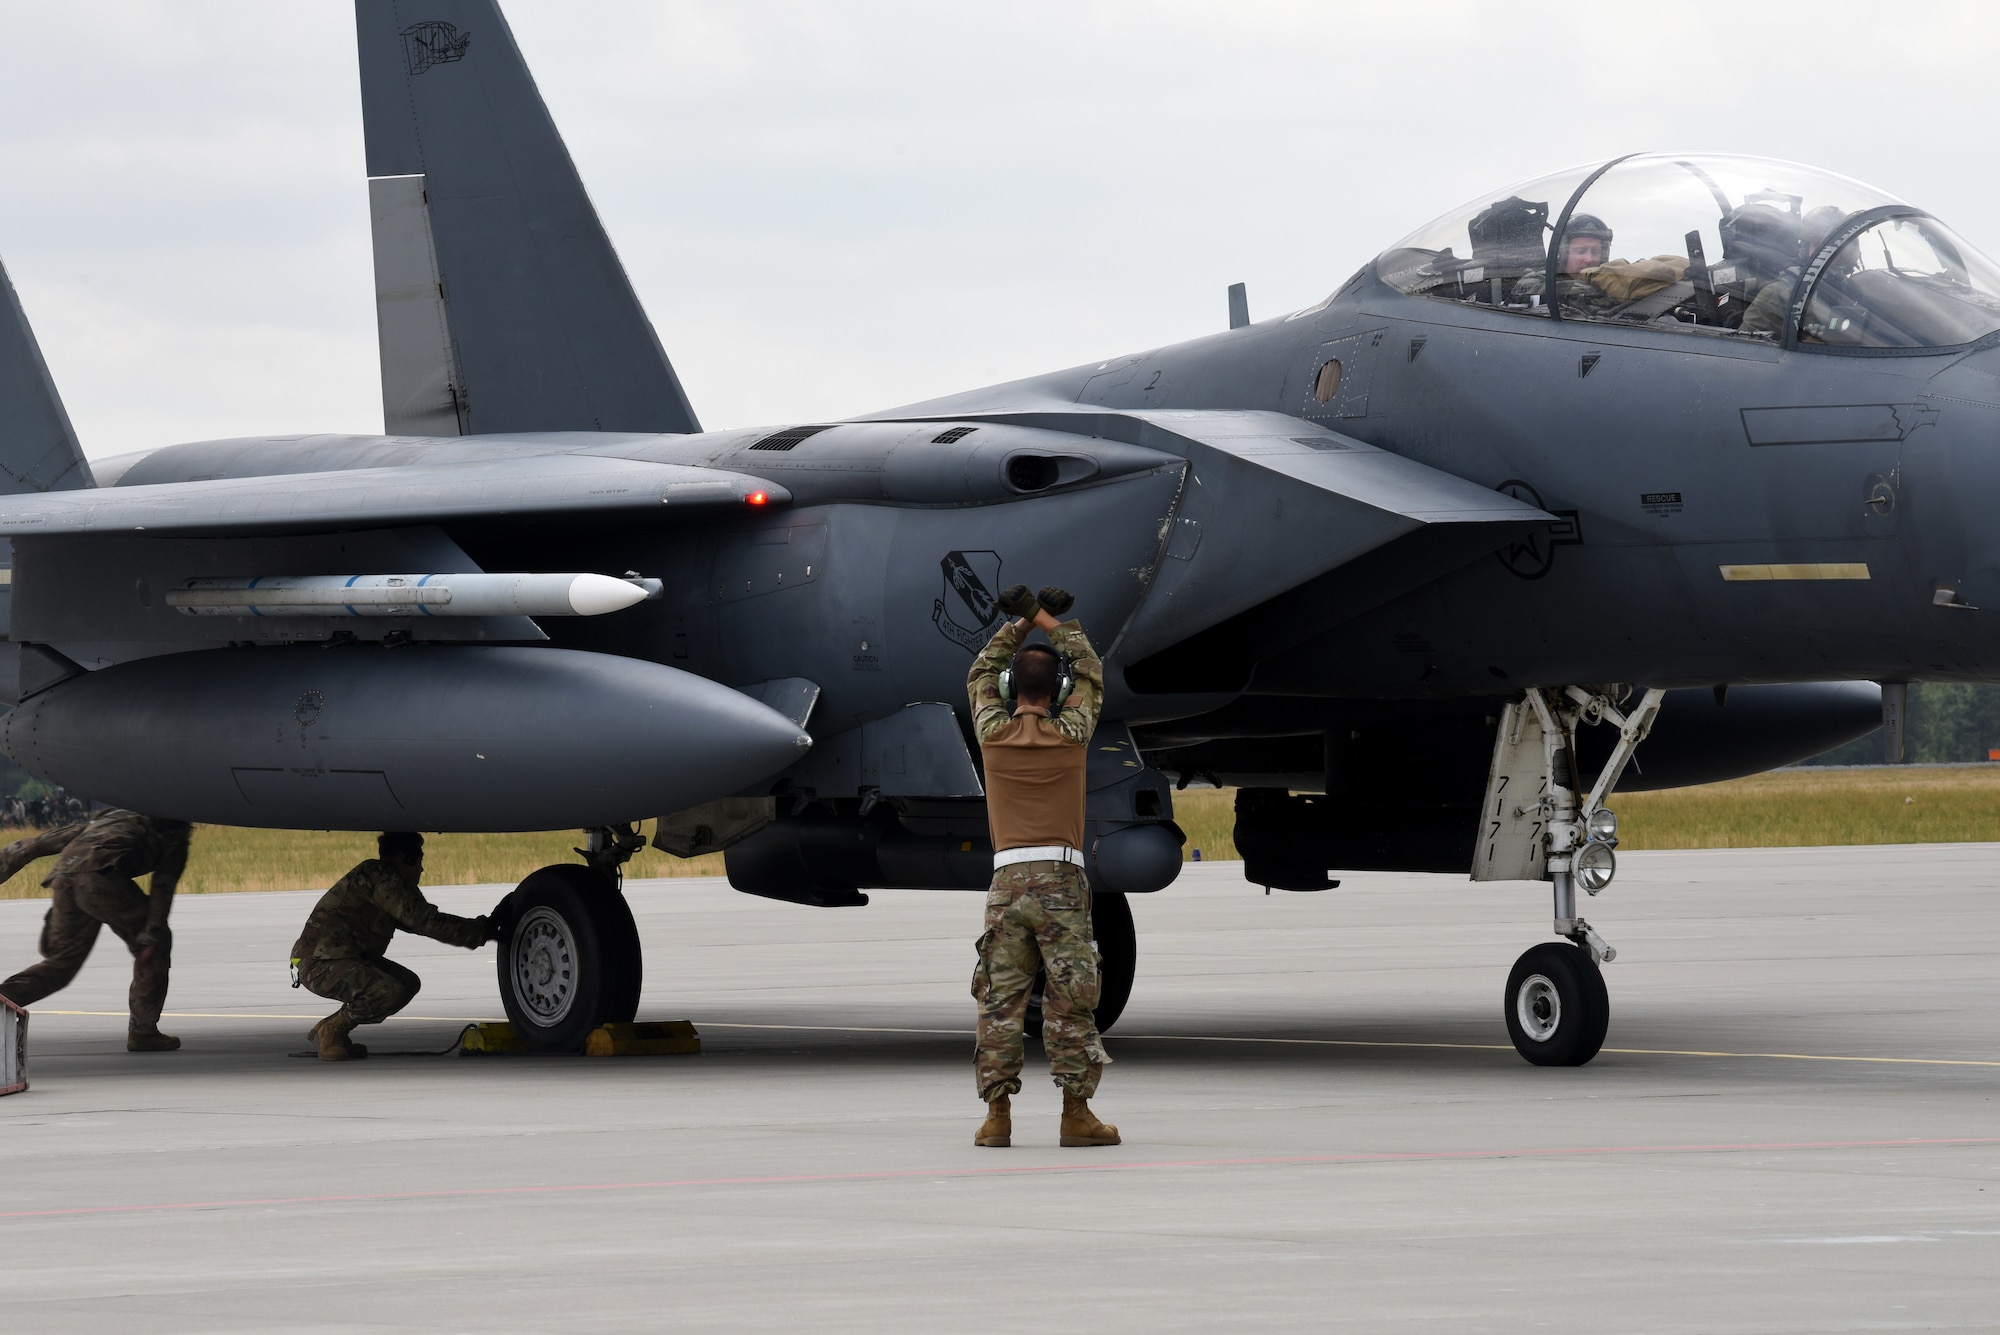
(536, 486)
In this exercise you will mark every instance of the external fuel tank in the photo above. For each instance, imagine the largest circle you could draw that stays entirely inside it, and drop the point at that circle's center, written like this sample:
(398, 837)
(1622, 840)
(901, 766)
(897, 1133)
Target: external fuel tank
(468, 738)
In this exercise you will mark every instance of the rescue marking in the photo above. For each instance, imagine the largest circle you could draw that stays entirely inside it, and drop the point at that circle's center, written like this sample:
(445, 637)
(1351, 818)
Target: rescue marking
(1026, 1170)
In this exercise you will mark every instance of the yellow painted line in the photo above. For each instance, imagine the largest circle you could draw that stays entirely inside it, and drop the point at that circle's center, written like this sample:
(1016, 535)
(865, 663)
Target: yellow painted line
(253, 1015)
(1382, 1043)
(1150, 1038)
(1509, 1047)
(1795, 570)
(1805, 1057)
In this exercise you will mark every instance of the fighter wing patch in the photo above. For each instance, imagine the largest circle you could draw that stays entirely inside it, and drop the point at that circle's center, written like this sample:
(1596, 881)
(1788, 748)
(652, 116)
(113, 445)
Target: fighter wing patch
(965, 612)
(433, 42)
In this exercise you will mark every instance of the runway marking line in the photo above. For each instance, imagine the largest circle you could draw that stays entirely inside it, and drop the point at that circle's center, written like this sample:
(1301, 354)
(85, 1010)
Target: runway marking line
(1155, 1038)
(1025, 1170)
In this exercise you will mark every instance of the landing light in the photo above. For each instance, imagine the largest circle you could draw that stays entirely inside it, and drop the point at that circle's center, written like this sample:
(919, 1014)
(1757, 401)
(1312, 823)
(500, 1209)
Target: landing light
(1595, 865)
(1603, 826)
(757, 498)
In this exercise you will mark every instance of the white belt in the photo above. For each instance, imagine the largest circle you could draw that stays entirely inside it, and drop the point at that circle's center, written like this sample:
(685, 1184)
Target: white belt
(1037, 853)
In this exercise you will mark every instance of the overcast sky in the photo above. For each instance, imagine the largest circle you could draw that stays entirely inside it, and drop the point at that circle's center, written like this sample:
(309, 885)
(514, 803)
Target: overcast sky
(829, 208)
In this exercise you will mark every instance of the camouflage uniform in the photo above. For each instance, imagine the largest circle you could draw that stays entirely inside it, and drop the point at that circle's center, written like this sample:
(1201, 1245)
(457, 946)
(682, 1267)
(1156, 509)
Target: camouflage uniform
(93, 885)
(1772, 304)
(340, 953)
(1038, 913)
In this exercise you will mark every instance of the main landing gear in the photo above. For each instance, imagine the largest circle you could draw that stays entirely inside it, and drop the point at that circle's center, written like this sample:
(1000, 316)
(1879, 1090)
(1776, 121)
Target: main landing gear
(569, 959)
(1537, 828)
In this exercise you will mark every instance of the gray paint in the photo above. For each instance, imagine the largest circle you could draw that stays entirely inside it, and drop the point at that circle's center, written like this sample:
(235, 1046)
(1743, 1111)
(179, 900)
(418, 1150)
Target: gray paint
(420, 494)
(364, 738)
(546, 331)
(917, 751)
(38, 448)
(421, 392)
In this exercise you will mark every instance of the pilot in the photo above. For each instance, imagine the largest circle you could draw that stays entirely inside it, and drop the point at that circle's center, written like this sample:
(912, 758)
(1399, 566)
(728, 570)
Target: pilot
(1586, 245)
(339, 955)
(1783, 270)
(92, 885)
(1032, 737)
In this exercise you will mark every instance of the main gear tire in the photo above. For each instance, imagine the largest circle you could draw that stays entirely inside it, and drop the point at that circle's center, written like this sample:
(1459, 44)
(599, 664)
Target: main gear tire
(569, 959)
(1117, 964)
(1556, 1005)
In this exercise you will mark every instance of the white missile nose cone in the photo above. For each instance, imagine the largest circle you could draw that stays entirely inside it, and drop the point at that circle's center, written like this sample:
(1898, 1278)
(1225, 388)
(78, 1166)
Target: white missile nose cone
(594, 595)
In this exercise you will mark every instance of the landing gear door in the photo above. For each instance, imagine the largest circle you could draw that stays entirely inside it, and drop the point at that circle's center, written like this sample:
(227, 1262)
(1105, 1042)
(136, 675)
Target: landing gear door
(1515, 815)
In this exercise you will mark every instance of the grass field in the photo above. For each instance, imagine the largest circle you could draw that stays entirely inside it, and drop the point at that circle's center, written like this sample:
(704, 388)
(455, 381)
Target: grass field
(1789, 808)
(224, 857)
(1795, 808)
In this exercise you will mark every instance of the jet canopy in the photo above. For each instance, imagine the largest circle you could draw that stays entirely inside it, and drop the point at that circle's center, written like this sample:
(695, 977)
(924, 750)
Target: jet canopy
(1718, 244)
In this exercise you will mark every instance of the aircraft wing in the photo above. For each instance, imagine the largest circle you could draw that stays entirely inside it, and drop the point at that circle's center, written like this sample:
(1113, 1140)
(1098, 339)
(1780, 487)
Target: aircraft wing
(538, 485)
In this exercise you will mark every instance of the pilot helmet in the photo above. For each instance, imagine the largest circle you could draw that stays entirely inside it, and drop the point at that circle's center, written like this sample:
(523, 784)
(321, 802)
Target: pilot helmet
(1588, 224)
(1762, 235)
(1583, 224)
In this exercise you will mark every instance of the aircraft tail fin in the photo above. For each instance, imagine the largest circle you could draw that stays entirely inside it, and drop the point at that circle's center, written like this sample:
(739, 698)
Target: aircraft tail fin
(500, 303)
(38, 449)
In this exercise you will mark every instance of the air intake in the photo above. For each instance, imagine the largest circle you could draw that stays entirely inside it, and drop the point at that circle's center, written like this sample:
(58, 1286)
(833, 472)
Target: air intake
(956, 433)
(788, 438)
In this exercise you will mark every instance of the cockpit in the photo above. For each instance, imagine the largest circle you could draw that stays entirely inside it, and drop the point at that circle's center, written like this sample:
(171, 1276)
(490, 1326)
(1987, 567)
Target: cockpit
(1717, 244)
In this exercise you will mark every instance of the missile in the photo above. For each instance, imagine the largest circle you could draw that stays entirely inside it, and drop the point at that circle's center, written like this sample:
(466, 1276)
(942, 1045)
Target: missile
(423, 737)
(454, 595)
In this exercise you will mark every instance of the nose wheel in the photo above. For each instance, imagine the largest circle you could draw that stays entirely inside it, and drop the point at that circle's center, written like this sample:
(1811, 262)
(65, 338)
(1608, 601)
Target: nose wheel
(1556, 1005)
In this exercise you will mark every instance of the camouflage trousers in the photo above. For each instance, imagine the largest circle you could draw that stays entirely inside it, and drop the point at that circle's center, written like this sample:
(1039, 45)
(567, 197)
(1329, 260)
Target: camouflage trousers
(371, 989)
(1037, 918)
(81, 903)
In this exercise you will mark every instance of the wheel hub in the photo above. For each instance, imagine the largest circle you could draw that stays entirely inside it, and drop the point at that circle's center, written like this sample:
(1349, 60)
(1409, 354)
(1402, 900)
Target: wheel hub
(1538, 1006)
(544, 965)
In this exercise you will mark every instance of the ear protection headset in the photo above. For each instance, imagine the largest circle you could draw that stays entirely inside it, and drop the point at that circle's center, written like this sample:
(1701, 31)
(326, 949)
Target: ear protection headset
(1065, 679)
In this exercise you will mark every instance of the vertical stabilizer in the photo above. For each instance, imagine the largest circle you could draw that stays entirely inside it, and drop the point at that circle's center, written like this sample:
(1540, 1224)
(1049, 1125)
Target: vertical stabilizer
(38, 449)
(529, 323)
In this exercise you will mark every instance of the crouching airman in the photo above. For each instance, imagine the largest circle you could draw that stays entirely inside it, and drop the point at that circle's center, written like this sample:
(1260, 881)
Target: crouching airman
(341, 953)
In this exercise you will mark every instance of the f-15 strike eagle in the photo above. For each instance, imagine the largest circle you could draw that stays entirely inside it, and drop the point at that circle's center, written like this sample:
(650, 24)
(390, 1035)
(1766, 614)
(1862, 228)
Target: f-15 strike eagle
(1673, 455)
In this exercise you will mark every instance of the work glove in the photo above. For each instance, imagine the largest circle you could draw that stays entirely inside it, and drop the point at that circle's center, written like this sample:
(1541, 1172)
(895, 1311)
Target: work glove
(1016, 601)
(1056, 601)
(491, 927)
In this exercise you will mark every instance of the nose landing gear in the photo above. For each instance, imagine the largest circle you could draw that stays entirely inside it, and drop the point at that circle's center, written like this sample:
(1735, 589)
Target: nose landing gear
(1537, 828)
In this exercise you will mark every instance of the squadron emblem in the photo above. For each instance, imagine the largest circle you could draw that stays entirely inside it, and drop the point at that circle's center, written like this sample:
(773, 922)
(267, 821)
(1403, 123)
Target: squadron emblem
(433, 42)
(965, 612)
(1532, 556)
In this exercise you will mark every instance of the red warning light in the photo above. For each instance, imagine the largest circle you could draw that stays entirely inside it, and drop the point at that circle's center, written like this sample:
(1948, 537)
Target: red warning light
(757, 498)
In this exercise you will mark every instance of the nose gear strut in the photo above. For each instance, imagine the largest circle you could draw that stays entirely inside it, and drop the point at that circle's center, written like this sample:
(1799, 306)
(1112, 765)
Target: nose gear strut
(1539, 823)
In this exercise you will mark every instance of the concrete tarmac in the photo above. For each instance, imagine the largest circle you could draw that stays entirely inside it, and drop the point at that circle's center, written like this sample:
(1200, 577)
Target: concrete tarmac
(1795, 1125)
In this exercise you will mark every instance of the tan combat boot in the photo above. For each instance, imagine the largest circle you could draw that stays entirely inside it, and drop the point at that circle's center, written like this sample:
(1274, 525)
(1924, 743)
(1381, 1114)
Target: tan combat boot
(330, 1036)
(997, 1131)
(152, 1042)
(1080, 1125)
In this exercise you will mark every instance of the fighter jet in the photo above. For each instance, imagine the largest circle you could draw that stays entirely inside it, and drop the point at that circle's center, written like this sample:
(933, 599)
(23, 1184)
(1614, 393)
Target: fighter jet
(1635, 475)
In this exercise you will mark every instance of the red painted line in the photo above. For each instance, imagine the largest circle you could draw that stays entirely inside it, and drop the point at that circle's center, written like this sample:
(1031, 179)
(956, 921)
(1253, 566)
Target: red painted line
(1025, 1170)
